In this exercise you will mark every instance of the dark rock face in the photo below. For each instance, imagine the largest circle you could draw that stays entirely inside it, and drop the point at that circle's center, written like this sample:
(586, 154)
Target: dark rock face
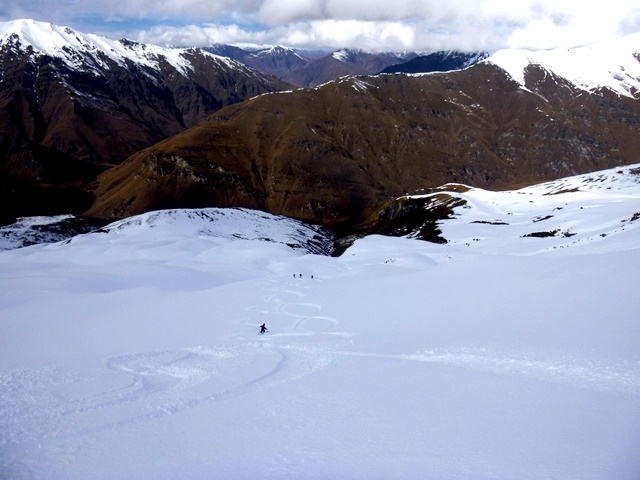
(337, 153)
(437, 62)
(39, 230)
(61, 125)
(339, 64)
(289, 66)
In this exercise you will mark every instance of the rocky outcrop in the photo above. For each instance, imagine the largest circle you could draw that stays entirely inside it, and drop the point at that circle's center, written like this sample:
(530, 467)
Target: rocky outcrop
(317, 68)
(68, 113)
(337, 153)
(437, 62)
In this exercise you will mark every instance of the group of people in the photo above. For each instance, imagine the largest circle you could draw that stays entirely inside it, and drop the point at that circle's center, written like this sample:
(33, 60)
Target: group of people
(263, 327)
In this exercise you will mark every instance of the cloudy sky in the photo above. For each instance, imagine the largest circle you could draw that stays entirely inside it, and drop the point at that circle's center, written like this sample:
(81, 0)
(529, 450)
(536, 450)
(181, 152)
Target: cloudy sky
(368, 24)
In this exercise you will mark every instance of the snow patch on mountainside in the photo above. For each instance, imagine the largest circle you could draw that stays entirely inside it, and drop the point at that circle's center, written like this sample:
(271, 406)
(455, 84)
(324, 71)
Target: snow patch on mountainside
(578, 211)
(227, 224)
(278, 51)
(612, 64)
(93, 52)
(40, 230)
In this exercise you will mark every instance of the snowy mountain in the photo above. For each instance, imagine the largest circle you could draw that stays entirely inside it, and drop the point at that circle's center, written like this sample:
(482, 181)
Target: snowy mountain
(612, 65)
(570, 212)
(95, 54)
(309, 68)
(134, 352)
(344, 62)
(437, 62)
(72, 104)
(227, 224)
(338, 153)
(41, 230)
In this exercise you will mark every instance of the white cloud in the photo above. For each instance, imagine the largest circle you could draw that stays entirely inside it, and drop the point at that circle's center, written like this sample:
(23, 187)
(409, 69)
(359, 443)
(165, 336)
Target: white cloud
(280, 12)
(383, 25)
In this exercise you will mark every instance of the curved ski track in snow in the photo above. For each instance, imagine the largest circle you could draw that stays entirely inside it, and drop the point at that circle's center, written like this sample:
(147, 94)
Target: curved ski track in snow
(161, 383)
(46, 410)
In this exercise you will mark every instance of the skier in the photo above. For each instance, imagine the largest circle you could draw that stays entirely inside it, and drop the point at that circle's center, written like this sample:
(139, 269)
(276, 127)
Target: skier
(263, 329)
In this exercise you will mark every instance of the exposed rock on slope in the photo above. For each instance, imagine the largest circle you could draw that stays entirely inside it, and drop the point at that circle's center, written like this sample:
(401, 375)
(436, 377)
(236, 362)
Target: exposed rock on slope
(287, 65)
(36, 230)
(551, 215)
(341, 63)
(334, 154)
(437, 62)
(72, 104)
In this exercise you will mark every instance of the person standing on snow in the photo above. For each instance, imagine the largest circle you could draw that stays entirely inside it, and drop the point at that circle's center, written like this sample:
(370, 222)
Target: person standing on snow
(263, 328)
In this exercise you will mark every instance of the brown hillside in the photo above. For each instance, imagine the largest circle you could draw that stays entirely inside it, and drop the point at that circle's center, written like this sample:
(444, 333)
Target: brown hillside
(61, 126)
(332, 153)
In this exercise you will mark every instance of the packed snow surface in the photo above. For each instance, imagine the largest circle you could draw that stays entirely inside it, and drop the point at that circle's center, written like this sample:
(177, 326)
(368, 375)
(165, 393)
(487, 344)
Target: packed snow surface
(134, 352)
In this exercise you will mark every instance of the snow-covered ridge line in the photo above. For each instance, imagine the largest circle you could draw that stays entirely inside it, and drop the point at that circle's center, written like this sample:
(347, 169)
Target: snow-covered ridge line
(28, 231)
(64, 43)
(612, 64)
(578, 211)
(216, 224)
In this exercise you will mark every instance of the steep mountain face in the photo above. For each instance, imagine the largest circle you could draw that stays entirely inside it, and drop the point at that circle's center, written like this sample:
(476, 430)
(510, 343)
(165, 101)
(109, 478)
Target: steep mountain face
(73, 104)
(38, 230)
(437, 62)
(277, 61)
(307, 70)
(340, 64)
(335, 154)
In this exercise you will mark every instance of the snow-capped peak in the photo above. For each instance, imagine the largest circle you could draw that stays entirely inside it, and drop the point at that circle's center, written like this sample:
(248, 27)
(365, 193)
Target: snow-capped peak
(346, 55)
(277, 51)
(612, 64)
(90, 51)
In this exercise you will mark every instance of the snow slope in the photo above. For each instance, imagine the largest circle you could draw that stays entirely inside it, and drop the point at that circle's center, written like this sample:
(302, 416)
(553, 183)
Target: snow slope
(38, 230)
(580, 211)
(90, 52)
(612, 64)
(134, 353)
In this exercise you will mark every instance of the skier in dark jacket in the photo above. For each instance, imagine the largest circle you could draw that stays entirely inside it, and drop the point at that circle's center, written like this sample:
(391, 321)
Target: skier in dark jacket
(263, 328)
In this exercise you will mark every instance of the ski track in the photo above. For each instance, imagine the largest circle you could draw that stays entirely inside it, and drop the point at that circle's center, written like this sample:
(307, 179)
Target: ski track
(46, 410)
(593, 375)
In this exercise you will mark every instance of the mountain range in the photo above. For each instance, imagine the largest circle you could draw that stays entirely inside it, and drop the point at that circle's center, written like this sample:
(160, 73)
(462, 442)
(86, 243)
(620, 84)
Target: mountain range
(437, 62)
(335, 154)
(313, 68)
(72, 105)
(117, 128)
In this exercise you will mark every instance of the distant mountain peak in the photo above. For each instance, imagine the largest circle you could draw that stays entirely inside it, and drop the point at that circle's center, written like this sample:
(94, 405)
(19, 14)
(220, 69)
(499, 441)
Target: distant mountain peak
(92, 52)
(612, 64)
(277, 52)
(72, 102)
(444, 61)
(347, 55)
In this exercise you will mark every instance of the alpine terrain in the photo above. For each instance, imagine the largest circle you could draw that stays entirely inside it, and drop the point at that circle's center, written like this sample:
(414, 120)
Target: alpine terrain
(437, 62)
(335, 154)
(313, 68)
(74, 104)
(510, 349)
